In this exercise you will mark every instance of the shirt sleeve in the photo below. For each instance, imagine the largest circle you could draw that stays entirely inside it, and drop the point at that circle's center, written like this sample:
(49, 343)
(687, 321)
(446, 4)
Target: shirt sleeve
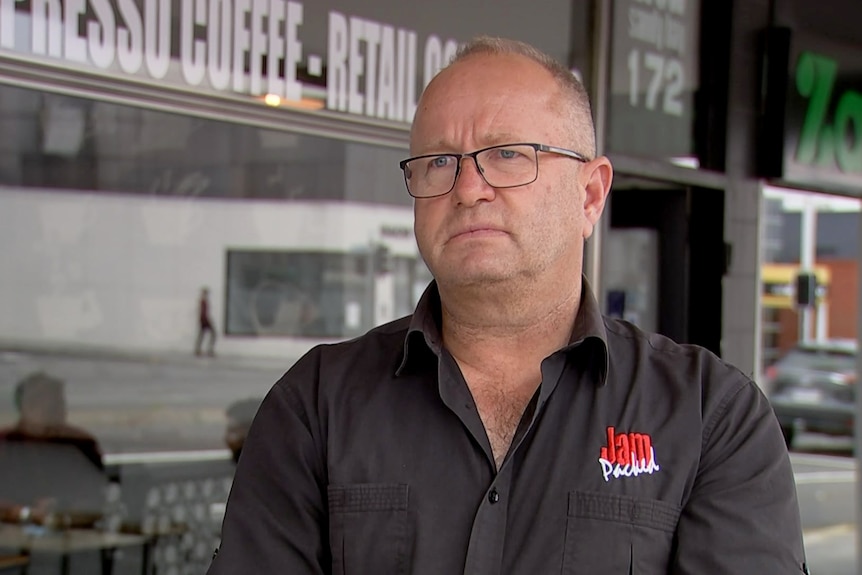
(275, 520)
(742, 515)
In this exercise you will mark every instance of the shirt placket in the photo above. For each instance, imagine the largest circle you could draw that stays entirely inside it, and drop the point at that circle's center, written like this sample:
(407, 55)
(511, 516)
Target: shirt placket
(487, 538)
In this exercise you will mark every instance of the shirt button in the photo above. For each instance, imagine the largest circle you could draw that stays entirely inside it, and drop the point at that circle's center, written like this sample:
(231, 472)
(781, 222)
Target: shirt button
(493, 496)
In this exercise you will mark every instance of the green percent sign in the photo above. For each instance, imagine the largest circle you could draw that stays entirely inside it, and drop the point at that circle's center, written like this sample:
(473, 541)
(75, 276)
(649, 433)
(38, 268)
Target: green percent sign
(820, 143)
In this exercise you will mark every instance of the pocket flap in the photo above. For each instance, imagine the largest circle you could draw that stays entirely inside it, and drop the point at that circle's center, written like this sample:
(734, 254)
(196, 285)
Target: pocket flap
(368, 497)
(625, 509)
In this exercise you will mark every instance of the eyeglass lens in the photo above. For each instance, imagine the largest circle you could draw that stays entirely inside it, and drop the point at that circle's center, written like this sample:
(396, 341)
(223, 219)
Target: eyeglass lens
(501, 167)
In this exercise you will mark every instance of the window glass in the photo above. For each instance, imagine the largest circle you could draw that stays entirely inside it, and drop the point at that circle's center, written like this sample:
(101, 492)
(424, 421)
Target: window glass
(65, 143)
(318, 294)
(116, 219)
(162, 272)
(809, 302)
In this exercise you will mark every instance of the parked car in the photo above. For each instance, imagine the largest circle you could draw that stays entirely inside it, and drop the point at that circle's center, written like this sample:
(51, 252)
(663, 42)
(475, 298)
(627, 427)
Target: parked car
(813, 388)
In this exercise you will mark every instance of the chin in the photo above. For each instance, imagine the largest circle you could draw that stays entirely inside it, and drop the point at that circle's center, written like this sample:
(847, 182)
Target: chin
(476, 267)
(465, 277)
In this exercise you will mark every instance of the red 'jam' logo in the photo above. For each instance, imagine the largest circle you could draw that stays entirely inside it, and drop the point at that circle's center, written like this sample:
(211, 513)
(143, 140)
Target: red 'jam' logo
(627, 455)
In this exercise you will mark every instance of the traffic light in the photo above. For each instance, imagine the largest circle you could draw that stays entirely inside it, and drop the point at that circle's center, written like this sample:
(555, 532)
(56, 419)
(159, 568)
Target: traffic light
(382, 260)
(806, 289)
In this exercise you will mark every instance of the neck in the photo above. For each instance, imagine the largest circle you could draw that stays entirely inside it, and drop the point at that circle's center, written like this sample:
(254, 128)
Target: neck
(33, 427)
(483, 323)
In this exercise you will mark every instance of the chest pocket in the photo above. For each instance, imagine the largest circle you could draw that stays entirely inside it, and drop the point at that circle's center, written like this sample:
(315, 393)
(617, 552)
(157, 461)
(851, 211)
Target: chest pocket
(618, 534)
(369, 531)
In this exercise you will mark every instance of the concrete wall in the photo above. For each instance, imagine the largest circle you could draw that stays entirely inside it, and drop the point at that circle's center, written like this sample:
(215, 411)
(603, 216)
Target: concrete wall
(123, 272)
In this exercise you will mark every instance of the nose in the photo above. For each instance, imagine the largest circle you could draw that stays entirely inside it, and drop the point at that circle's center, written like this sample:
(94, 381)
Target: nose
(470, 186)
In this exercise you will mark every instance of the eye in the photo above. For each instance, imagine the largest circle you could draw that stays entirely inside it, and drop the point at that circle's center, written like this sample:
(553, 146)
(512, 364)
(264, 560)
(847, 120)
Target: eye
(440, 161)
(508, 154)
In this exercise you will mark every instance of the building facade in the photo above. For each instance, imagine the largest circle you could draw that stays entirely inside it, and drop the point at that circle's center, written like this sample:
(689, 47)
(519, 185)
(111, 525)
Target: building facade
(155, 147)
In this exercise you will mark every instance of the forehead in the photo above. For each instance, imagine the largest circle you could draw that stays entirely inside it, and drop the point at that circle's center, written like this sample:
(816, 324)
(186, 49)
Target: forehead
(488, 99)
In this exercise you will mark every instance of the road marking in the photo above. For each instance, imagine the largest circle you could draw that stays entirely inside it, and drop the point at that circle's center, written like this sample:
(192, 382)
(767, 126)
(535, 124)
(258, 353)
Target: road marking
(821, 534)
(167, 456)
(808, 477)
(823, 460)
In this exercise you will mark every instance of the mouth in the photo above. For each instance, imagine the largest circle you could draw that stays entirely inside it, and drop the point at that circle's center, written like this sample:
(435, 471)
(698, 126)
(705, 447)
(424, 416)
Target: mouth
(477, 232)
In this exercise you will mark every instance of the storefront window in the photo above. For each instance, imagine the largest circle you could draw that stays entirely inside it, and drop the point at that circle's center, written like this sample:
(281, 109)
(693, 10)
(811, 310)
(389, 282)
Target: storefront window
(809, 305)
(121, 215)
(116, 218)
(316, 294)
(123, 226)
(115, 222)
(65, 143)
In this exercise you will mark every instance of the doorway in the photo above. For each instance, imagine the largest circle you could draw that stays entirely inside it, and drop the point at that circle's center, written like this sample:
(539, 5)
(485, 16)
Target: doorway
(665, 258)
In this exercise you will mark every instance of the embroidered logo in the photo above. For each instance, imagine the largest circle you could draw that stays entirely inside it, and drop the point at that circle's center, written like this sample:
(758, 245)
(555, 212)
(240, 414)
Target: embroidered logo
(627, 455)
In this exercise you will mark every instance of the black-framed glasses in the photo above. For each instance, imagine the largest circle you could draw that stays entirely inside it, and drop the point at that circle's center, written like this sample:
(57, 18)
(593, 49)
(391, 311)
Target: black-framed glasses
(502, 166)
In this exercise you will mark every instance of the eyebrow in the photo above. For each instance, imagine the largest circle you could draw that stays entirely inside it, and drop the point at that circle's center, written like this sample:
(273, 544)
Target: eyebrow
(490, 139)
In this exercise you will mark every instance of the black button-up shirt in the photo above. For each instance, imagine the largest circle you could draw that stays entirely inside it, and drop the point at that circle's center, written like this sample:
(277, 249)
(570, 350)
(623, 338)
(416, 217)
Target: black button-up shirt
(636, 455)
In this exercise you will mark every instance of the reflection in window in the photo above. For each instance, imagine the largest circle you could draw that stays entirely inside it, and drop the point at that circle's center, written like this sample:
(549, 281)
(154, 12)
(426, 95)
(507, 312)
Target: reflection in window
(56, 141)
(318, 294)
(116, 218)
(113, 219)
(809, 232)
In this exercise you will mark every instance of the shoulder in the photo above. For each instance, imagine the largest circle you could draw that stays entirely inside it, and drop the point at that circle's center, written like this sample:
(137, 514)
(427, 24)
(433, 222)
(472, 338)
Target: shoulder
(68, 434)
(331, 368)
(667, 366)
(379, 350)
(333, 376)
(707, 397)
(625, 338)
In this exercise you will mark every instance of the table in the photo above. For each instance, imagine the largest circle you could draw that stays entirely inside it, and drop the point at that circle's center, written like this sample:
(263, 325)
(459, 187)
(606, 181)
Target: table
(65, 542)
(10, 562)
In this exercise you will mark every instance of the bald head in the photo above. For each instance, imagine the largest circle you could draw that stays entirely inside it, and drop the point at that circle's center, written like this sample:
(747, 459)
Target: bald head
(41, 399)
(573, 105)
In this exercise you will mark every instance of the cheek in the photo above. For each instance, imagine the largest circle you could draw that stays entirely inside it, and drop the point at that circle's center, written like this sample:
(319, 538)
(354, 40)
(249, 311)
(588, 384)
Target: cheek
(564, 205)
(425, 224)
(419, 229)
(563, 214)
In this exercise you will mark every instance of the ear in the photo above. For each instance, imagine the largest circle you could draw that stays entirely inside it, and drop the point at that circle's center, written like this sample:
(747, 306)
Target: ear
(596, 178)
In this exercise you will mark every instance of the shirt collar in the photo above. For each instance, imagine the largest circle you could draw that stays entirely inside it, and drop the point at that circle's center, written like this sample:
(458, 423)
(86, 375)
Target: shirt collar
(589, 336)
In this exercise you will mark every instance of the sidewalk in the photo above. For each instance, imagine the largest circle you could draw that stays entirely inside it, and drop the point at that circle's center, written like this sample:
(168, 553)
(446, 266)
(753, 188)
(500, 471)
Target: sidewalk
(826, 487)
(832, 550)
(143, 357)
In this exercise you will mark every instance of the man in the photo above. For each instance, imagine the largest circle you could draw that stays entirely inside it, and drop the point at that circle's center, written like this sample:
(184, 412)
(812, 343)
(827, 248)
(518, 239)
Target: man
(43, 418)
(49, 465)
(507, 427)
(205, 325)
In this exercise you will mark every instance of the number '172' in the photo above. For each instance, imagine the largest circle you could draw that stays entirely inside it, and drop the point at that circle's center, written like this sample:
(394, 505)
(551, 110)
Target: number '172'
(663, 75)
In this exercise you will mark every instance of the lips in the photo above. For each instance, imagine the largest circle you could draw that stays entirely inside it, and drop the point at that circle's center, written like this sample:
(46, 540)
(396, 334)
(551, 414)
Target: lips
(477, 231)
